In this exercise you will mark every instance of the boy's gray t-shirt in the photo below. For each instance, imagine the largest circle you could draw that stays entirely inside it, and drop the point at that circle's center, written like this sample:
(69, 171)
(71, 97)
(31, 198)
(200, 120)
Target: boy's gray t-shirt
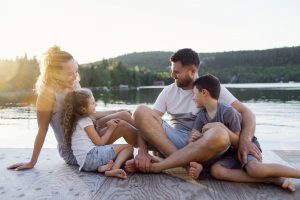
(225, 114)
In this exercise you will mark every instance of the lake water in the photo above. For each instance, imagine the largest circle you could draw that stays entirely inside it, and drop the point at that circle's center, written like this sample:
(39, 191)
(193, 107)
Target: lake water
(276, 106)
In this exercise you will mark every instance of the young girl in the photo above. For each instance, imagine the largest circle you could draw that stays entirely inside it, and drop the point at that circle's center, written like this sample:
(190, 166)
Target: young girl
(91, 150)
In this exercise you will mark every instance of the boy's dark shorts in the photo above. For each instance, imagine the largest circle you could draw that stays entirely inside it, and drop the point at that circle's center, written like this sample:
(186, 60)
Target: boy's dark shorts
(229, 159)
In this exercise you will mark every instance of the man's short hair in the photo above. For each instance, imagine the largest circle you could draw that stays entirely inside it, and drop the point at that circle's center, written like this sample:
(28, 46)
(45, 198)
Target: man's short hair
(210, 83)
(186, 57)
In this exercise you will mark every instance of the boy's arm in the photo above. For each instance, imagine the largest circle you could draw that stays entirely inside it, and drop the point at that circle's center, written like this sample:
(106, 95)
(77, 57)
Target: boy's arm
(248, 128)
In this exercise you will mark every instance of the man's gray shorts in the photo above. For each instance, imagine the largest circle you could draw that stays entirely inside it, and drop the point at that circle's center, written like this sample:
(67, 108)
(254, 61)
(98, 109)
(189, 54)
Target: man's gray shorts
(98, 156)
(178, 137)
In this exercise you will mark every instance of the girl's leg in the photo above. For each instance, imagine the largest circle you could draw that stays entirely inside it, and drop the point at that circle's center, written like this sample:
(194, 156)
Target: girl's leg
(262, 170)
(237, 175)
(106, 167)
(124, 152)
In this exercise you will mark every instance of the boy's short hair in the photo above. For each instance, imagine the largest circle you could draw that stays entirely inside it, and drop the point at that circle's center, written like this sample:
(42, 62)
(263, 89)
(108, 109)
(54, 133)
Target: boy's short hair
(186, 57)
(210, 83)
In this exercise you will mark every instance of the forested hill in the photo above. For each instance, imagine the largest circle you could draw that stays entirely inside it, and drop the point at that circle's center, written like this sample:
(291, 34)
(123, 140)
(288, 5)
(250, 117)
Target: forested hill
(267, 58)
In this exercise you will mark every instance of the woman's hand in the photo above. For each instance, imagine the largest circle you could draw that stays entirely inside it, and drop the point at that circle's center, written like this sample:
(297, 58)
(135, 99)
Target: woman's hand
(21, 166)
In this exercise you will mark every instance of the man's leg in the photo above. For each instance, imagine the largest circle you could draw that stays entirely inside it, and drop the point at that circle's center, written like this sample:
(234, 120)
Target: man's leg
(214, 141)
(150, 126)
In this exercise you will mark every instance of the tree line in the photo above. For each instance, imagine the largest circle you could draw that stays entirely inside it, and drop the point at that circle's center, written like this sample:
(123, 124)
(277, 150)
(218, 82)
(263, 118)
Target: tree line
(136, 69)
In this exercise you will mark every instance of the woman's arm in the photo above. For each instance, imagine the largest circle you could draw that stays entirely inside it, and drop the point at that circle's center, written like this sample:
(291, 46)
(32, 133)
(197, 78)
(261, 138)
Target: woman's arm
(44, 106)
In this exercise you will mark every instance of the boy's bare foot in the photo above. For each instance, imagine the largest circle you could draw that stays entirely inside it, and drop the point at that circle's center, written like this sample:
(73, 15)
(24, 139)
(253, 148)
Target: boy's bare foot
(195, 169)
(130, 166)
(120, 173)
(106, 167)
(285, 183)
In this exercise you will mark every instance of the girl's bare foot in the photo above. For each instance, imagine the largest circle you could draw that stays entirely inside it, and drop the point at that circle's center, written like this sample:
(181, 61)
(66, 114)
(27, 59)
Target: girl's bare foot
(120, 173)
(106, 167)
(195, 169)
(130, 166)
(285, 183)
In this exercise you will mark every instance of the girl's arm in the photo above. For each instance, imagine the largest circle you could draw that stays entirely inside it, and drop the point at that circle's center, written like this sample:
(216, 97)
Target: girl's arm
(44, 105)
(101, 140)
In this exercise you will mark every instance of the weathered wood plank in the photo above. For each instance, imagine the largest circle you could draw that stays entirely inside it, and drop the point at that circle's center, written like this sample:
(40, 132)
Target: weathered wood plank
(52, 179)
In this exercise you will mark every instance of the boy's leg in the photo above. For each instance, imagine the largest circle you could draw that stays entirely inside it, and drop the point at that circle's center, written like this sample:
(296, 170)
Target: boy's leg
(258, 169)
(237, 175)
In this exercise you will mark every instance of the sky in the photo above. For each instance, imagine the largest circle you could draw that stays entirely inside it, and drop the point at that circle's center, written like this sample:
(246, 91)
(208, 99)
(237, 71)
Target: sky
(95, 29)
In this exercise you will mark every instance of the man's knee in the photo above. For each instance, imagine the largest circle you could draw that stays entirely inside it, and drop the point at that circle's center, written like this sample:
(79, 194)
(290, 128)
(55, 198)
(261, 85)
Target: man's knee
(140, 112)
(218, 138)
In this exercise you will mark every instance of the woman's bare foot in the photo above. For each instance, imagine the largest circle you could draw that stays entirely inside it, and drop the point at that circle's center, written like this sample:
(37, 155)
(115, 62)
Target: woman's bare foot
(130, 166)
(106, 167)
(120, 173)
(285, 183)
(195, 169)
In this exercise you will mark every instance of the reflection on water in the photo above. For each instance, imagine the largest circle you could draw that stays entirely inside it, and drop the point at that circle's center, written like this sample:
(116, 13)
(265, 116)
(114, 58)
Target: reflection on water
(148, 96)
(277, 112)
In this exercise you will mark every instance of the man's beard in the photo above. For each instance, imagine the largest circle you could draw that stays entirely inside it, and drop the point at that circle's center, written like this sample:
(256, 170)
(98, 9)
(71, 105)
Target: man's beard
(184, 83)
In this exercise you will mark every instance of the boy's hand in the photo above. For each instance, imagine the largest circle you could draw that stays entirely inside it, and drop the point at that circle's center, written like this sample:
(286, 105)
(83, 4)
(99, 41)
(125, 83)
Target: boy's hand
(195, 135)
(112, 124)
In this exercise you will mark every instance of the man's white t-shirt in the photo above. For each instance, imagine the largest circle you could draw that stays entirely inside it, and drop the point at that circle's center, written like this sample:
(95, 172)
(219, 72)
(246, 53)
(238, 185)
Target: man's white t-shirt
(81, 144)
(181, 107)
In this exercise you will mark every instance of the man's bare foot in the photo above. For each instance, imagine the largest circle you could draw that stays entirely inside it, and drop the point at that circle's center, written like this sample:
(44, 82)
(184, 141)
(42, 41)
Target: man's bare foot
(120, 173)
(195, 169)
(106, 167)
(285, 183)
(130, 166)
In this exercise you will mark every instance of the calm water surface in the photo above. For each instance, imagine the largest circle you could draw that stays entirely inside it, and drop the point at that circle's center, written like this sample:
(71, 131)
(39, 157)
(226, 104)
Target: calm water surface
(277, 110)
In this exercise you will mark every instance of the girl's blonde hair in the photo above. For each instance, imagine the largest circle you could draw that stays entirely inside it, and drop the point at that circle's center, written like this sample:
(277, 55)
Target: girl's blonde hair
(50, 67)
(72, 111)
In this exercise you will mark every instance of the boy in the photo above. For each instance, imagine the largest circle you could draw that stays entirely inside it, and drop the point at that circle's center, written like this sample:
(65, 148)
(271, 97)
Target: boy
(207, 90)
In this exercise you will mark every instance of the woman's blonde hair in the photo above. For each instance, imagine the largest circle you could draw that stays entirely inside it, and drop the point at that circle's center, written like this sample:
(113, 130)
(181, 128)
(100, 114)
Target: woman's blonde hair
(50, 67)
(72, 111)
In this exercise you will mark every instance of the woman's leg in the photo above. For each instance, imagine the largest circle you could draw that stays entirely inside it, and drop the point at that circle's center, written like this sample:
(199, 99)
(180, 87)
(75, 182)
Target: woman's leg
(125, 130)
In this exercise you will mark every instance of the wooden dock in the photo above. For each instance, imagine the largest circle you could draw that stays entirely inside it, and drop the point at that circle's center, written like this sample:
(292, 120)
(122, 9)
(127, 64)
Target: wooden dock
(52, 179)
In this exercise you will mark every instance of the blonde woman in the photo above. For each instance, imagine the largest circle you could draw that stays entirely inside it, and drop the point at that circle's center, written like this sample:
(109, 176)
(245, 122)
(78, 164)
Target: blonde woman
(59, 75)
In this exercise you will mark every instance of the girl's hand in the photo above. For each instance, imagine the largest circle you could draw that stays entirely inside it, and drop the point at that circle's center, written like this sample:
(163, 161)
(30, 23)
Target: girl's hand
(195, 135)
(112, 124)
(21, 166)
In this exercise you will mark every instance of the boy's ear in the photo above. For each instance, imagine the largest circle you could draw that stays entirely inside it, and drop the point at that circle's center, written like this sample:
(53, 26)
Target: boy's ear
(205, 92)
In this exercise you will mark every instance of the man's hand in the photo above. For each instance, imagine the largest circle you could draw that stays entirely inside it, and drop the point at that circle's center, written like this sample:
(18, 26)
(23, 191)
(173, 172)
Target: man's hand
(195, 135)
(142, 161)
(247, 147)
(211, 125)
